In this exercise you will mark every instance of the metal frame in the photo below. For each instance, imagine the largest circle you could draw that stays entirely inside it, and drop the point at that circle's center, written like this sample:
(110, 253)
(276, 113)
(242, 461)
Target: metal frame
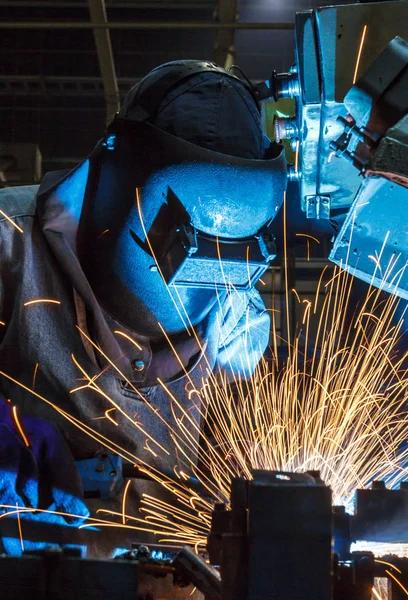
(224, 51)
(140, 25)
(97, 10)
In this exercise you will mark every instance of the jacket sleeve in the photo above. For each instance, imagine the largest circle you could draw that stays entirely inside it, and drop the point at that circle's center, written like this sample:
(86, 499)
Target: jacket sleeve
(244, 335)
(16, 205)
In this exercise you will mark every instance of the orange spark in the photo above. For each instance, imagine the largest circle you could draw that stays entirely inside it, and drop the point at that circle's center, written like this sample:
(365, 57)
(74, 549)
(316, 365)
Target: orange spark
(125, 335)
(19, 427)
(296, 294)
(11, 221)
(306, 235)
(107, 415)
(41, 300)
(397, 581)
(384, 562)
(20, 531)
(103, 233)
(297, 156)
(35, 375)
(124, 501)
(359, 53)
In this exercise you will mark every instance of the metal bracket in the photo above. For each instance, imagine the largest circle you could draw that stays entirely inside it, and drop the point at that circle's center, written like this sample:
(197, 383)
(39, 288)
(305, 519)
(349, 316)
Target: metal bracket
(318, 207)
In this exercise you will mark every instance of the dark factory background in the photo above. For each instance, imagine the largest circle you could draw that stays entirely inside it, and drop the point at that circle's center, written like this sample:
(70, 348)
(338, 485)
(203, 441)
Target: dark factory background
(59, 86)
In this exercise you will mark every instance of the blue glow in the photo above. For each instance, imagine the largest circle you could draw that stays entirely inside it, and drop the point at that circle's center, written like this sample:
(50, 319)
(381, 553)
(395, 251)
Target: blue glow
(12, 546)
(119, 552)
(71, 191)
(109, 143)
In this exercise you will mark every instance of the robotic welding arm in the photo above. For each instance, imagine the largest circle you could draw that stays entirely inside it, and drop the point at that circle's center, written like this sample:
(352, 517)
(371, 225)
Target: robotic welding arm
(372, 241)
(350, 85)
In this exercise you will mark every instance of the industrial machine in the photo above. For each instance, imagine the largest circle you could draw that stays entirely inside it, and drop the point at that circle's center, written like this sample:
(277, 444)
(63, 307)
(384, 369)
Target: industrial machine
(350, 132)
(280, 537)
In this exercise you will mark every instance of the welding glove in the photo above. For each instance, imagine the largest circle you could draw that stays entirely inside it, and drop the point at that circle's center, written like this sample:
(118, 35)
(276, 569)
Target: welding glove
(37, 470)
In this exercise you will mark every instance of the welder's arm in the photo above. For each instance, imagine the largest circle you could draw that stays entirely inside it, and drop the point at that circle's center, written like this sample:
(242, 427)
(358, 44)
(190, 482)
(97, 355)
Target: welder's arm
(244, 334)
(37, 470)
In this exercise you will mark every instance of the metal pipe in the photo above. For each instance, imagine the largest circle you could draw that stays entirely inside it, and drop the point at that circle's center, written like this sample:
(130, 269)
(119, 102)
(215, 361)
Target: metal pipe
(103, 45)
(224, 50)
(142, 25)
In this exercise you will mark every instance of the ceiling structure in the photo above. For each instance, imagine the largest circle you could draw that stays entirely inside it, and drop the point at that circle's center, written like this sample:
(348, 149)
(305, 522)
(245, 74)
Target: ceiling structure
(65, 64)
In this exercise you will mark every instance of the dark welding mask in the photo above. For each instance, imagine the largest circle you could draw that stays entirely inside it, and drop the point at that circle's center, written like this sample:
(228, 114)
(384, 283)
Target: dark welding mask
(206, 214)
(206, 217)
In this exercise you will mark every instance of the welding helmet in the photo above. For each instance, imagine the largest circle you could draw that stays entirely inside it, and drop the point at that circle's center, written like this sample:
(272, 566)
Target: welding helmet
(208, 194)
(184, 189)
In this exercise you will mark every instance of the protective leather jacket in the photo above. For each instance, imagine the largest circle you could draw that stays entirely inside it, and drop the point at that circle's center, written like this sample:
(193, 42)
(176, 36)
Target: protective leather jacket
(41, 344)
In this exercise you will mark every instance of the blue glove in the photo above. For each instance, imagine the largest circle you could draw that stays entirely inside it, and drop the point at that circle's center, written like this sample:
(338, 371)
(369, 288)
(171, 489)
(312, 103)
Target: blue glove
(37, 470)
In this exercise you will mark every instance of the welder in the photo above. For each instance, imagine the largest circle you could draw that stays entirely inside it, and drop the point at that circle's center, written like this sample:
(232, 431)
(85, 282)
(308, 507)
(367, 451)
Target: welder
(131, 278)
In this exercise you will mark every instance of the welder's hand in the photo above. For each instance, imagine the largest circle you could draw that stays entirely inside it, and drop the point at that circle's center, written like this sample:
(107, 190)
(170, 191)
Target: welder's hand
(37, 469)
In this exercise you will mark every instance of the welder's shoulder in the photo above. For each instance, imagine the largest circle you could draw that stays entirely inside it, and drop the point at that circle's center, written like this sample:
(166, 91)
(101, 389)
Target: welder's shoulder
(18, 203)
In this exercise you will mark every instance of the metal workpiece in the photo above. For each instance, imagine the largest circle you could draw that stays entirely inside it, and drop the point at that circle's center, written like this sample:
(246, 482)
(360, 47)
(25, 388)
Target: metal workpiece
(372, 228)
(381, 514)
(318, 207)
(329, 61)
(342, 537)
(277, 539)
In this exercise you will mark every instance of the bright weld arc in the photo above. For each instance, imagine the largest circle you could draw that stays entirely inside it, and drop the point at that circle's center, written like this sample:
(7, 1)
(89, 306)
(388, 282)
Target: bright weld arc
(42, 300)
(11, 221)
(359, 54)
(19, 427)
